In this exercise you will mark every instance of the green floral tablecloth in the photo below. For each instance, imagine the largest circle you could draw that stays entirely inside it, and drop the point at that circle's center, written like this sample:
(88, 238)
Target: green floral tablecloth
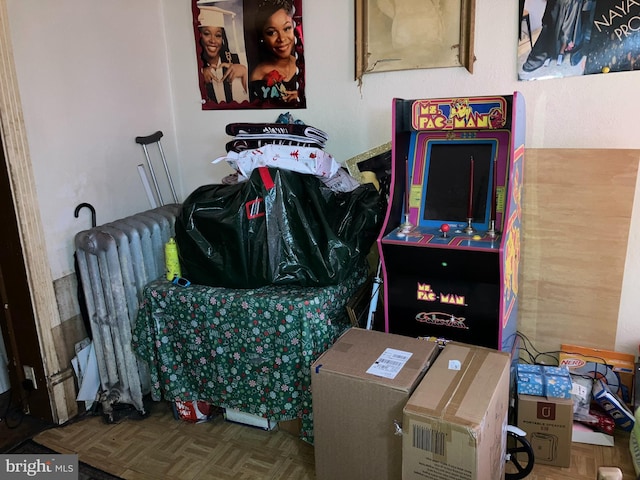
(249, 350)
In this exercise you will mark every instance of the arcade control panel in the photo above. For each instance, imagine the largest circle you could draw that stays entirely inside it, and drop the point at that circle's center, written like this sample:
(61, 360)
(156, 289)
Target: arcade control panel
(448, 235)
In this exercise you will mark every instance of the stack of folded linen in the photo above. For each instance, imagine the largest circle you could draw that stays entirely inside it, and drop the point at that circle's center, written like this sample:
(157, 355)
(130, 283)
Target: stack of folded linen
(290, 146)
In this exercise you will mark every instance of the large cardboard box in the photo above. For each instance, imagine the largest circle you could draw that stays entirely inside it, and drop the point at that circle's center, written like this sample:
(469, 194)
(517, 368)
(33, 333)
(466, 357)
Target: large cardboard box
(455, 422)
(359, 387)
(548, 423)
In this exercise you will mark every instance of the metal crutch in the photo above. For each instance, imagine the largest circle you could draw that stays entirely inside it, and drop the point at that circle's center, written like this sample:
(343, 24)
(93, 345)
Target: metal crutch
(155, 138)
(375, 292)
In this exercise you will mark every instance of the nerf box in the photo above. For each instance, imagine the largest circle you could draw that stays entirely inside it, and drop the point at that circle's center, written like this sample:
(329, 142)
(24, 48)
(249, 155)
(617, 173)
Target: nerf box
(544, 381)
(614, 368)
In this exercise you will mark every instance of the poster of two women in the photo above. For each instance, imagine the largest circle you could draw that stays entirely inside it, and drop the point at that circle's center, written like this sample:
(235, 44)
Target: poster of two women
(250, 53)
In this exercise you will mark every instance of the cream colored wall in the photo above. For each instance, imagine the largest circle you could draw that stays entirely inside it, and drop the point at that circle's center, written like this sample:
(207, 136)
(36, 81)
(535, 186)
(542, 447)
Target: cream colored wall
(92, 76)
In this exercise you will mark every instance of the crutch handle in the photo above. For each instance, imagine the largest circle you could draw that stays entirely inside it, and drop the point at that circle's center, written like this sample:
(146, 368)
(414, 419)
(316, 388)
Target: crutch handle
(153, 138)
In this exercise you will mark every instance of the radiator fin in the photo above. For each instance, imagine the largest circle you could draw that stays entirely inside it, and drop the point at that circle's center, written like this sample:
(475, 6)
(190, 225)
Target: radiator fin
(116, 261)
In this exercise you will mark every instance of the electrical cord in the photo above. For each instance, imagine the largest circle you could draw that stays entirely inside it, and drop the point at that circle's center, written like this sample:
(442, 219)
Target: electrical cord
(7, 411)
(535, 359)
(534, 356)
(7, 394)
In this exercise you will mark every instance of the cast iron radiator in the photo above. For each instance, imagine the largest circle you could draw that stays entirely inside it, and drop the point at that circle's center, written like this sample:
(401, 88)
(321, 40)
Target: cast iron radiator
(116, 261)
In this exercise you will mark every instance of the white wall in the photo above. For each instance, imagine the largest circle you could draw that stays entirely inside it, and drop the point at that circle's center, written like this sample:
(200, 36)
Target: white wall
(94, 74)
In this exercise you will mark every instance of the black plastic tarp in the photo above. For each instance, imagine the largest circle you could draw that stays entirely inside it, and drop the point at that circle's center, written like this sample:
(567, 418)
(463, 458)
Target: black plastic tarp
(279, 227)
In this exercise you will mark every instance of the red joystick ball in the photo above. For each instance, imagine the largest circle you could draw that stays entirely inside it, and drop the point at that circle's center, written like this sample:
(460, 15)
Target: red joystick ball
(445, 228)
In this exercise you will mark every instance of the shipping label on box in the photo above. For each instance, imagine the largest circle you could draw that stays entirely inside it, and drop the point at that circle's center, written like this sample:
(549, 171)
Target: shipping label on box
(544, 381)
(615, 368)
(454, 424)
(548, 423)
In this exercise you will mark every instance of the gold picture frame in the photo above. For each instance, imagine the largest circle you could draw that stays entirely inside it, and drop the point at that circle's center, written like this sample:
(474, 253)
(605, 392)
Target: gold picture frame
(352, 163)
(412, 34)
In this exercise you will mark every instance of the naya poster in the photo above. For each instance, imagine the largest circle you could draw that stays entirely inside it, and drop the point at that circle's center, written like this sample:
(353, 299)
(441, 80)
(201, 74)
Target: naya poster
(250, 54)
(560, 38)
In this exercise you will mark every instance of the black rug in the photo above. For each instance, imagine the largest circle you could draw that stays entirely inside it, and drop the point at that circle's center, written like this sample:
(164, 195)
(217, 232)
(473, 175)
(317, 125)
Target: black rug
(87, 472)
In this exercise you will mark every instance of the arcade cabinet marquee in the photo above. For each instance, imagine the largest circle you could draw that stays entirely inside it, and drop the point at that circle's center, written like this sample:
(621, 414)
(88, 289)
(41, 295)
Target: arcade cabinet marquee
(450, 243)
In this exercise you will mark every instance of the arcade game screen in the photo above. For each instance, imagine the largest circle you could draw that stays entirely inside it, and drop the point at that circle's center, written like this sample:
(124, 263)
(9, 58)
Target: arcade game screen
(459, 183)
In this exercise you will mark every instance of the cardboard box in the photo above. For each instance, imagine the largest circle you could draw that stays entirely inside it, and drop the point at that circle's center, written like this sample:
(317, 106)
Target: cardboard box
(290, 426)
(359, 387)
(548, 423)
(615, 368)
(454, 424)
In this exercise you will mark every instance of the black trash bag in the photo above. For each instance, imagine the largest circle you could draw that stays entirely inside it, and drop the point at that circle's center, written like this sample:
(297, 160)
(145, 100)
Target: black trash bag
(279, 227)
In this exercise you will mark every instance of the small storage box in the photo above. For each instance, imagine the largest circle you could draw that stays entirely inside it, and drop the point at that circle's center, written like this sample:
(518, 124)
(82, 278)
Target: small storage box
(544, 381)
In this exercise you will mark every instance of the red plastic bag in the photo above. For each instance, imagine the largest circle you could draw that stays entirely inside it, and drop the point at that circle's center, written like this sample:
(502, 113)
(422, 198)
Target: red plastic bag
(195, 411)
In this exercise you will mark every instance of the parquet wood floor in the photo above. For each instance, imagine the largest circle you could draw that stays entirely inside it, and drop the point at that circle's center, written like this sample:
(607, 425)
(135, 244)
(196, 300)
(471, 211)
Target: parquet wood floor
(585, 460)
(162, 448)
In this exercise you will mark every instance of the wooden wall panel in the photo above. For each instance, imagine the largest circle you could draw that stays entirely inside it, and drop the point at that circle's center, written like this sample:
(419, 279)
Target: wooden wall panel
(576, 214)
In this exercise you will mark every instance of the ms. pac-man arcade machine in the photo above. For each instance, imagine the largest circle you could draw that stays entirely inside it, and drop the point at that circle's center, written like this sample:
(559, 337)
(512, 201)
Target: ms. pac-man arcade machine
(450, 243)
